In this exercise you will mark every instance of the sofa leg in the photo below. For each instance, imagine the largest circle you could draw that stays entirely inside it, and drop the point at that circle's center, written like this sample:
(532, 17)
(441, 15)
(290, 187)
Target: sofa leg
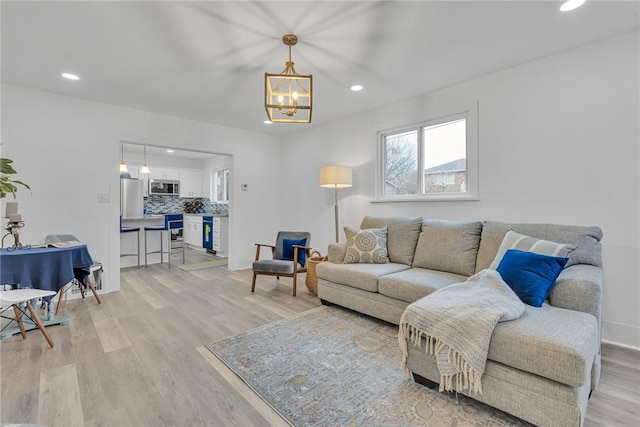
(324, 302)
(425, 382)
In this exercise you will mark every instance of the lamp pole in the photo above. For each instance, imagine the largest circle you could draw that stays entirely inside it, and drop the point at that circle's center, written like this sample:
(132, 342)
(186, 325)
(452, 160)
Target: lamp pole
(336, 209)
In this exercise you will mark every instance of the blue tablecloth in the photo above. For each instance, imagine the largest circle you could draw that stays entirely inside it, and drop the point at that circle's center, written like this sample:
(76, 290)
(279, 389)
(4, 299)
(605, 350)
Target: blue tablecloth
(44, 268)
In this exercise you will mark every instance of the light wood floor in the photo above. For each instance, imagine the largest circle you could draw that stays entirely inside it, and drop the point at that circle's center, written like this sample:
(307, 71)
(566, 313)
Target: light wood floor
(139, 358)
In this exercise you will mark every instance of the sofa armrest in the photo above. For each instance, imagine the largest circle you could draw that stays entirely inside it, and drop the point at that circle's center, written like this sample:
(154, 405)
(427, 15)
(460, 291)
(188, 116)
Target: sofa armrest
(579, 287)
(337, 252)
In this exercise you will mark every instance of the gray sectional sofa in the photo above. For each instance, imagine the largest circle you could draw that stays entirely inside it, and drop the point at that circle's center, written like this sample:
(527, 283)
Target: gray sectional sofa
(542, 366)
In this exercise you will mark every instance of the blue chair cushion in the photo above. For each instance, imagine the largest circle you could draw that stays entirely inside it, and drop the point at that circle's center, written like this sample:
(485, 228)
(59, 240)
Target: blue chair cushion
(530, 275)
(287, 250)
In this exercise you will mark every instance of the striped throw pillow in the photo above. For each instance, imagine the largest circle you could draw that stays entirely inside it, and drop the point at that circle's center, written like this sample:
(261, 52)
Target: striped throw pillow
(513, 240)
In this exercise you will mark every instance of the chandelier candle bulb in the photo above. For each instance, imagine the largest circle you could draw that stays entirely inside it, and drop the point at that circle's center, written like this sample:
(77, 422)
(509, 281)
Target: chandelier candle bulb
(11, 209)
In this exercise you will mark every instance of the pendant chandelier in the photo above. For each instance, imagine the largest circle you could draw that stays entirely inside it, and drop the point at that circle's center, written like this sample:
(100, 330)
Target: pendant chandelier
(288, 95)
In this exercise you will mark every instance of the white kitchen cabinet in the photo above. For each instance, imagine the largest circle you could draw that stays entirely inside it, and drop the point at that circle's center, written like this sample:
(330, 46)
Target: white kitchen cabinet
(164, 173)
(192, 231)
(221, 235)
(190, 183)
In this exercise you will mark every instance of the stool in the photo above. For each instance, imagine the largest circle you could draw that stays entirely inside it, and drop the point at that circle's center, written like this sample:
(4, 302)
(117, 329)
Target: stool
(171, 222)
(22, 300)
(125, 230)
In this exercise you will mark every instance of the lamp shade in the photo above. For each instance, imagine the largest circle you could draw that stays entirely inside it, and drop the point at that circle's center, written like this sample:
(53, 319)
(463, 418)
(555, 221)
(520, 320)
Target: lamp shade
(336, 176)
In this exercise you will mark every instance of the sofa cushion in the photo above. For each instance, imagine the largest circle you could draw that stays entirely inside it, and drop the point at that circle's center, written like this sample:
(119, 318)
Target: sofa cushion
(513, 240)
(530, 275)
(366, 246)
(412, 284)
(450, 246)
(587, 240)
(552, 342)
(402, 235)
(361, 276)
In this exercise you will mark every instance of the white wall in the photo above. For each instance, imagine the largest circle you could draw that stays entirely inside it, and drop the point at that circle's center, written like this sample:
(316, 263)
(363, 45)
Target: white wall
(68, 151)
(558, 142)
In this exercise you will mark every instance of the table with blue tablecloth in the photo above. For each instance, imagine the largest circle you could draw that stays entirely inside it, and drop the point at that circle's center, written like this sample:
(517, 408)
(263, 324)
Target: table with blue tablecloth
(45, 268)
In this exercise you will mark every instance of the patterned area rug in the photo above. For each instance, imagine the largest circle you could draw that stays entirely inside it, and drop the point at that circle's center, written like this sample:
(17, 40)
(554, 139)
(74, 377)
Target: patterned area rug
(330, 366)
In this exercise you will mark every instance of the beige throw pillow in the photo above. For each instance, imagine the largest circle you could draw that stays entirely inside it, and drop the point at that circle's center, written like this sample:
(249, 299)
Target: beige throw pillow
(366, 246)
(513, 240)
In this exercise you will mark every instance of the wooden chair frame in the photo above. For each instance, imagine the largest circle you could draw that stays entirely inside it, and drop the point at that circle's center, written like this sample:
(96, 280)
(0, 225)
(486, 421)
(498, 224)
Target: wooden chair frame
(296, 266)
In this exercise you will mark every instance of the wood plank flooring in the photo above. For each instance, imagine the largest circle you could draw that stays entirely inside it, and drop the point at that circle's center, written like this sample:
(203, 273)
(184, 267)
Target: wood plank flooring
(138, 359)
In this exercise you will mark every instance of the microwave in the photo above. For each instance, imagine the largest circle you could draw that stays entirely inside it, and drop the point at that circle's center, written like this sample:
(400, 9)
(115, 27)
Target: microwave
(164, 187)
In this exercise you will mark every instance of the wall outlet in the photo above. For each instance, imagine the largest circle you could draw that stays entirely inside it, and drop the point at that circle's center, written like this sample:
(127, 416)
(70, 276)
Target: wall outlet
(103, 197)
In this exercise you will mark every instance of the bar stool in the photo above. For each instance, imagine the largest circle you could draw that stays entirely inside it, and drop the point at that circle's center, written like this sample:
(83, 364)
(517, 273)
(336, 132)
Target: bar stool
(124, 230)
(171, 222)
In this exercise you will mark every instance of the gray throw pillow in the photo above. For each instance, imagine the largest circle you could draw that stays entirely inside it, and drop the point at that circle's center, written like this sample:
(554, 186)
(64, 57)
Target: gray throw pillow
(513, 240)
(366, 246)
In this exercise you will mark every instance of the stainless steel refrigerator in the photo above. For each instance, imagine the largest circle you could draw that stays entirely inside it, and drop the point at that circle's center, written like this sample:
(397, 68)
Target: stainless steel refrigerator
(131, 198)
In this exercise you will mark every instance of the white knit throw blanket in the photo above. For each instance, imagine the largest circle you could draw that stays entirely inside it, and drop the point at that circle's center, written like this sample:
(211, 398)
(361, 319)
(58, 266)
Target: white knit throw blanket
(457, 322)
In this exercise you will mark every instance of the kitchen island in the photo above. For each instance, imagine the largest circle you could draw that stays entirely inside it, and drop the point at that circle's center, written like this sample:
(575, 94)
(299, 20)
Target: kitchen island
(128, 242)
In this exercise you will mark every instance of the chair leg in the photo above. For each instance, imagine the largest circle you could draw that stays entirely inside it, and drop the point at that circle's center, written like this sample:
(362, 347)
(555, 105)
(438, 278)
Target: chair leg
(18, 314)
(60, 297)
(146, 249)
(81, 286)
(93, 289)
(36, 319)
(169, 245)
(253, 282)
(138, 239)
(294, 284)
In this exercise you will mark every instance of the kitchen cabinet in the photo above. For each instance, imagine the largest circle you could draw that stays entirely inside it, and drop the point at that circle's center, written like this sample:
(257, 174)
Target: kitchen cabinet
(221, 235)
(190, 183)
(192, 231)
(164, 173)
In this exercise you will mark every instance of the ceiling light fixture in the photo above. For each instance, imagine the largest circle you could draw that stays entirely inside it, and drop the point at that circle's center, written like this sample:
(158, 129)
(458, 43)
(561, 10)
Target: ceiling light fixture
(357, 88)
(145, 167)
(123, 165)
(571, 4)
(169, 150)
(70, 76)
(288, 95)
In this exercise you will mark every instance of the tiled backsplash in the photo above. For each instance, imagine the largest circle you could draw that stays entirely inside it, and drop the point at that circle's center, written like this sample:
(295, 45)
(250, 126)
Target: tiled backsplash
(171, 204)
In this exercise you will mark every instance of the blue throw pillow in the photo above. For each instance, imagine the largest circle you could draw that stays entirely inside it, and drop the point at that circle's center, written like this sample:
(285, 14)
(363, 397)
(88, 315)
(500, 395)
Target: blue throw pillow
(287, 250)
(530, 275)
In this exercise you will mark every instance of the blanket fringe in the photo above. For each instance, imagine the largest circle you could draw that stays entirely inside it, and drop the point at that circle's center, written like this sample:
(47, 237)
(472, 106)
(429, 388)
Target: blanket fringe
(465, 378)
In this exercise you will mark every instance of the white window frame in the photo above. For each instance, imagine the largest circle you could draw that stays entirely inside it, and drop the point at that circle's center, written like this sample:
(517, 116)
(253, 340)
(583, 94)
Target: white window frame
(226, 176)
(468, 111)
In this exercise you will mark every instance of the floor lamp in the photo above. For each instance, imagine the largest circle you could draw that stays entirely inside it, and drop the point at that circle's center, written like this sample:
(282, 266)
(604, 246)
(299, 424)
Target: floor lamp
(336, 177)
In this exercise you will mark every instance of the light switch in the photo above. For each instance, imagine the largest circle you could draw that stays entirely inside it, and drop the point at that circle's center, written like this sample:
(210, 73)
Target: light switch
(244, 187)
(103, 197)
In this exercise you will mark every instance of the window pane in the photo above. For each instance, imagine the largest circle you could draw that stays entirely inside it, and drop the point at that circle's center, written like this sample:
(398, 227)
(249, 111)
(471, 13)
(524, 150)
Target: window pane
(401, 163)
(445, 157)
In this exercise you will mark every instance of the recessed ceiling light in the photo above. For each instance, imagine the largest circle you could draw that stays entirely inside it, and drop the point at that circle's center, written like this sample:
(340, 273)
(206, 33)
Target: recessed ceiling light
(571, 4)
(169, 150)
(267, 122)
(357, 88)
(70, 76)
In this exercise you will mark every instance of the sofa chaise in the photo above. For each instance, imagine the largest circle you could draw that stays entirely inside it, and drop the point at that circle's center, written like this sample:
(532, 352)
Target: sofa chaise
(541, 367)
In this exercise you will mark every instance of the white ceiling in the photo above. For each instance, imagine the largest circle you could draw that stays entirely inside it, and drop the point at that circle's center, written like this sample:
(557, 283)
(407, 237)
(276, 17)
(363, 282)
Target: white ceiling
(206, 60)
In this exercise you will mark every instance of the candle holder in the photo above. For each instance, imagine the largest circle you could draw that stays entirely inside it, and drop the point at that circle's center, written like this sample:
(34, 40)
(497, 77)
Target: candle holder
(13, 229)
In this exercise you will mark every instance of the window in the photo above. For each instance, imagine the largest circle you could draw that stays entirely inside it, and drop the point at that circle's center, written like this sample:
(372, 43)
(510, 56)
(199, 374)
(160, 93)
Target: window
(436, 160)
(221, 186)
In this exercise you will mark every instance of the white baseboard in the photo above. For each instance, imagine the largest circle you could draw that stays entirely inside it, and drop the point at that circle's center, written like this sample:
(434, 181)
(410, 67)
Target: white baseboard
(621, 334)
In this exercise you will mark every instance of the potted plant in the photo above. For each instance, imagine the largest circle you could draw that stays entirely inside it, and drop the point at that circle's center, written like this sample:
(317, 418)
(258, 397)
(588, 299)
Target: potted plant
(9, 185)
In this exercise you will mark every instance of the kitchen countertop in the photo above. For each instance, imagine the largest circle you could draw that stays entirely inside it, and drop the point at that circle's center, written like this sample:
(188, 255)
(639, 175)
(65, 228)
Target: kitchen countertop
(161, 216)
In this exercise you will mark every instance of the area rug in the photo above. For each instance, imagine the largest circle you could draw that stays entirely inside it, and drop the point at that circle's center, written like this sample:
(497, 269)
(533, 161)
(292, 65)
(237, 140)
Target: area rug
(333, 367)
(203, 265)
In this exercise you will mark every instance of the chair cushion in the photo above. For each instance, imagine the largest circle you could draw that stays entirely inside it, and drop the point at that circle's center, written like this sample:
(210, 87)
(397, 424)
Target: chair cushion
(274, 266)
(361, 276)
(412, 284)
(530, 275)
(287, 250)
(552, 342)
(402, 235)
(450, 246)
